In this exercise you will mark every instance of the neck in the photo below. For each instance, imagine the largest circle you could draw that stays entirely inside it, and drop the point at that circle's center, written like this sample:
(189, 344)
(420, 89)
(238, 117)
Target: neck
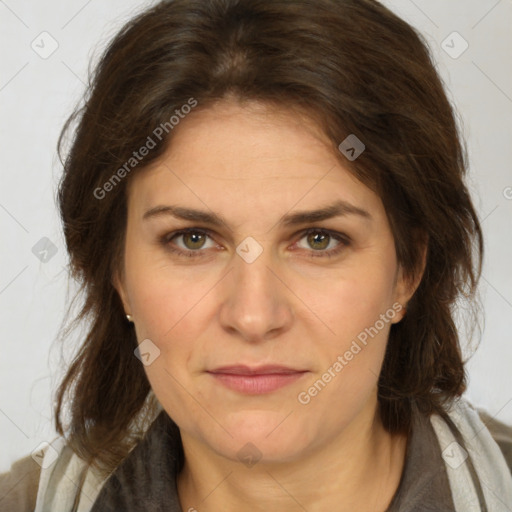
(358, 470)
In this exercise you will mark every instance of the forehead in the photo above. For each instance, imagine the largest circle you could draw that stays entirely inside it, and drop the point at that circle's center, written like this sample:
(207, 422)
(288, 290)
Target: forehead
(250, 156)
(249, 141)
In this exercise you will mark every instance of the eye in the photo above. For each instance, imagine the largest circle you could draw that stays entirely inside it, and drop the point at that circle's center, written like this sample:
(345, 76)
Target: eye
(320, 240)
(193, 240)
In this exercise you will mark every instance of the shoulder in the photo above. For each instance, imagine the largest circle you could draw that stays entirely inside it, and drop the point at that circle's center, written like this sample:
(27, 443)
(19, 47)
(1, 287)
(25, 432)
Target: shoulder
(474, 452)
(18, 486)
(54, 479)
(488, 436)
(501, 433)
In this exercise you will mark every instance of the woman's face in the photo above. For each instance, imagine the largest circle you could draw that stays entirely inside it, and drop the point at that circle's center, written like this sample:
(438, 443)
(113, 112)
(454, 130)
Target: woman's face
(256, 289)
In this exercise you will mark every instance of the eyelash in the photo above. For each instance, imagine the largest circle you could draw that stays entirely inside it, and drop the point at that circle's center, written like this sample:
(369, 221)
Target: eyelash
(344, 240)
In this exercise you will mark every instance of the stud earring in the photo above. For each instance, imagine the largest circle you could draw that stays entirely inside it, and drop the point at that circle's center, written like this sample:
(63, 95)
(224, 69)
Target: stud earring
(129, 318)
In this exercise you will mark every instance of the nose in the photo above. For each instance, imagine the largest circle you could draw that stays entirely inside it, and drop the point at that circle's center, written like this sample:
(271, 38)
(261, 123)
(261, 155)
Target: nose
(256, 304)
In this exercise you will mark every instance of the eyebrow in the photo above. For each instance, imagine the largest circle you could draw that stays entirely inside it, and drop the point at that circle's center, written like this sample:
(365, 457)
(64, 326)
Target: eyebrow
(337, 209)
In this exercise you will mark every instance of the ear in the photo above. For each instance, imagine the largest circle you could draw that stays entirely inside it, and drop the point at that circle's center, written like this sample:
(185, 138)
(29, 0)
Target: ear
(118, 284)
(406, 286)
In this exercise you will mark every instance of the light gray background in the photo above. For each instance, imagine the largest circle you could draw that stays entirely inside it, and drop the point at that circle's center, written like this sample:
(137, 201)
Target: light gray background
(37, 94)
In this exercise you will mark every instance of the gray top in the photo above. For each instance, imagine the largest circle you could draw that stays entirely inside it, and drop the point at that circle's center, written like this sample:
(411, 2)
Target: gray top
(146, 479)
(424, 484)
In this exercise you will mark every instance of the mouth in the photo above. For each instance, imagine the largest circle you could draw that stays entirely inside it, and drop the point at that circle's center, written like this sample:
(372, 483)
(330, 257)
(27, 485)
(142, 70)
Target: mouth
(256, 380)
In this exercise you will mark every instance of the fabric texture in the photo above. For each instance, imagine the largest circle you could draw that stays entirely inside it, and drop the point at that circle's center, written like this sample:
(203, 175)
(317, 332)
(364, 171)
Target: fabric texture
(479, 477)
(424, 485)
(146, 479)
(68, 484)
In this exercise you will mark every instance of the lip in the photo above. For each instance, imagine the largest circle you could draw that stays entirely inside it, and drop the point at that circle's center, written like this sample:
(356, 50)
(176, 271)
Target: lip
(241, 369)
(256, 380)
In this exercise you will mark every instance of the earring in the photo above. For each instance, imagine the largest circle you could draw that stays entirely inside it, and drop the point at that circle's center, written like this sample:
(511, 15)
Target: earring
(129, 318)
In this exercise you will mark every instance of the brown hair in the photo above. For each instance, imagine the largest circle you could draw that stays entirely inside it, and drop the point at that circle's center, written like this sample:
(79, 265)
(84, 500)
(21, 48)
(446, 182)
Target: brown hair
(355, 68)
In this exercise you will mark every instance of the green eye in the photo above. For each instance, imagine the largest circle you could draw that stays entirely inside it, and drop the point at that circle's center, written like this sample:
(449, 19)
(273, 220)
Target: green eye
(193, 240)
(321, 240)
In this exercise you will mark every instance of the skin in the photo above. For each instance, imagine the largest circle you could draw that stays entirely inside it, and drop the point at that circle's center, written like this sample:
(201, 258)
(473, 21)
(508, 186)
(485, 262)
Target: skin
(252, 165)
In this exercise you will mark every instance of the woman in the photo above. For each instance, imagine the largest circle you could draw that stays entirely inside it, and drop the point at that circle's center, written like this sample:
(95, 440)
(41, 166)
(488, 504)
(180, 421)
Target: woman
(264, 202)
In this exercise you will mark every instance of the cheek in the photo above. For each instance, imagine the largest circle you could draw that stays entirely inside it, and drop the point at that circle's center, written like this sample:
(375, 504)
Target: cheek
(162, 295)
(353, 300)
(172, 308)
(359, 312)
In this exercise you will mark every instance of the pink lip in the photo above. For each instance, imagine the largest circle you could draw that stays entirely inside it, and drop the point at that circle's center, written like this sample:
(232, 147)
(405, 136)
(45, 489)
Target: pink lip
(256, 380)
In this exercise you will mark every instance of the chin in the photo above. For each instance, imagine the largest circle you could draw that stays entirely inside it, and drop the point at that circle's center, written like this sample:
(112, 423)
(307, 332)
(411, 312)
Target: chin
(261, 435)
